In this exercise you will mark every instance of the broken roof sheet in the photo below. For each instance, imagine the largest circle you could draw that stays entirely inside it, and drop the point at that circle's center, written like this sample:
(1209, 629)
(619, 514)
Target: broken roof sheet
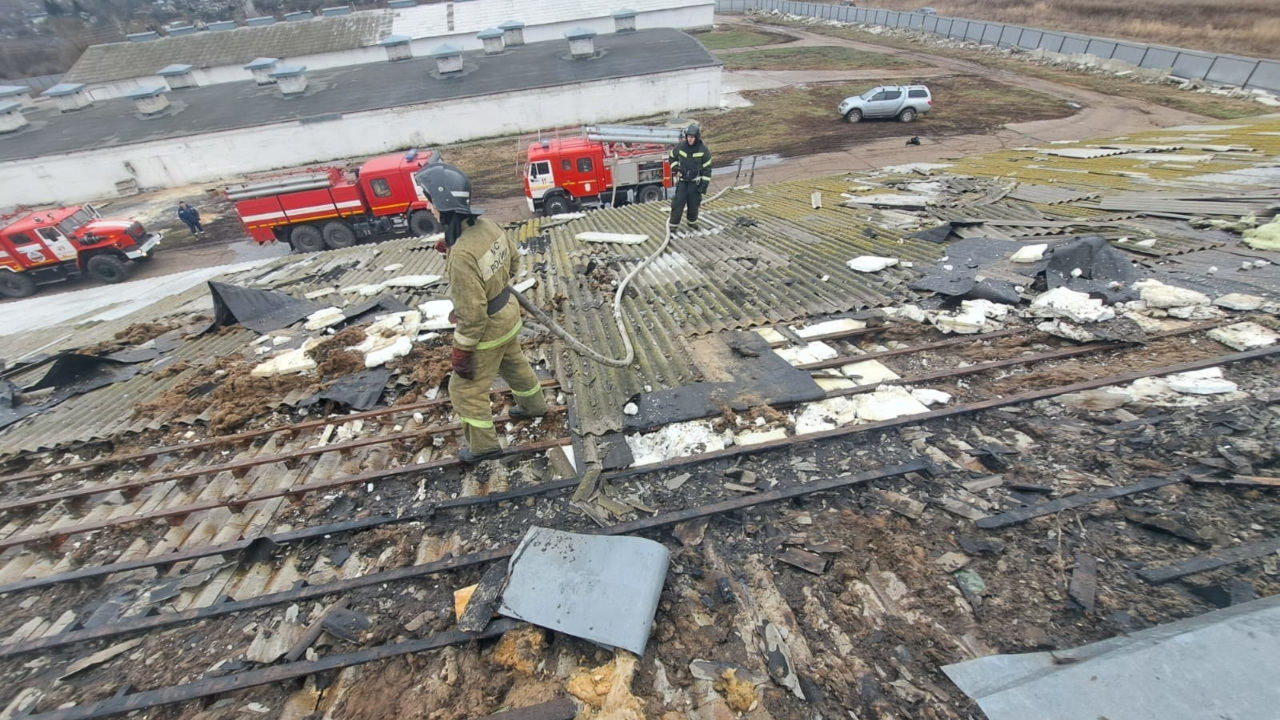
(1048, 194)
(1212, 665)
(123, 60)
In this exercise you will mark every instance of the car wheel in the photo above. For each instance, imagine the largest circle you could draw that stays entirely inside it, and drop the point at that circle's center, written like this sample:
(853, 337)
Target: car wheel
(107, 268)
(648, 194)
(307, 238)
(907, 115)
(555, 205)
(16, 286)
(853, 116)
(338, 235)
(422, 223)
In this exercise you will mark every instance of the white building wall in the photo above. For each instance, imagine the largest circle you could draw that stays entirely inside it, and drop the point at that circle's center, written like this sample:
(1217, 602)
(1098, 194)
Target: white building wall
(84, 176)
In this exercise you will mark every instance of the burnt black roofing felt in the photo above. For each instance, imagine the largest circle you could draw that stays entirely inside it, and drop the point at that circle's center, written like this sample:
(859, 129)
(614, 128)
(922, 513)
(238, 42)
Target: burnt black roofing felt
(352, 89)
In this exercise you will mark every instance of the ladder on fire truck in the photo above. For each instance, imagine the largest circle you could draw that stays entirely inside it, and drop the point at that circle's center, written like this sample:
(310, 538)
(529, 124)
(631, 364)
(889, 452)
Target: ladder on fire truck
(635, 134)
(294, 182)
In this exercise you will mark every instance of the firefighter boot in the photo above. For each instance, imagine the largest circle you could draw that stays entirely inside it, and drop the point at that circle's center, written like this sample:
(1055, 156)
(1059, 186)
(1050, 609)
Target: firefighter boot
(466, 457)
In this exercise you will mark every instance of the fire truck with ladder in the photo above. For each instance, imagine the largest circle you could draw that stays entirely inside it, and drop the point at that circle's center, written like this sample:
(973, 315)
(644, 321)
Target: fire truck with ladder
(607, 165)
(320, 208)
(46, 246)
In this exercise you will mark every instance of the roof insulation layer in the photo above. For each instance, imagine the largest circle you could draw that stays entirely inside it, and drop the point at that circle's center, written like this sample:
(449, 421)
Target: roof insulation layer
(124, 60)
(352, 89)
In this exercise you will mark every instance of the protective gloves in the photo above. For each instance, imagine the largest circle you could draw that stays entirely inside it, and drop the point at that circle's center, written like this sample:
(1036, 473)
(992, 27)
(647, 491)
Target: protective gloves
(703, 185)
(464, 364)
(442, 248)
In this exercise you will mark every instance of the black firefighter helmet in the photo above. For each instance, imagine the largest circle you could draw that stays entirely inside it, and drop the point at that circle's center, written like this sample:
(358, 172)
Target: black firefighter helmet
(448, 188)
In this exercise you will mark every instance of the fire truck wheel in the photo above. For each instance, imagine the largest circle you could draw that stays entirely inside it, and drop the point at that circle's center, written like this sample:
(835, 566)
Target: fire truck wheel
(107, 268)
(422, 223)
(555, 205)
(14, 285)
(307, 238)
(648, 194)
(338, 234)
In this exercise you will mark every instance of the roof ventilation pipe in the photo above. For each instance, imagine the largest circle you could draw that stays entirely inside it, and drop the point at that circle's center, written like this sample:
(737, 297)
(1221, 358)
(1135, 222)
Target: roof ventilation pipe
(582, 43)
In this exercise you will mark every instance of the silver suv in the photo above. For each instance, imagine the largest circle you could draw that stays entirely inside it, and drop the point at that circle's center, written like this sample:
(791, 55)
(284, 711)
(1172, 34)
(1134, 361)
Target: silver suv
(905, 102)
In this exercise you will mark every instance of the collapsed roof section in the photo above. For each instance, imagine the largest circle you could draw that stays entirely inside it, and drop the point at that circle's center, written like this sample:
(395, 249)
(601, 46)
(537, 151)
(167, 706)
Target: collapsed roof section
(777, 257)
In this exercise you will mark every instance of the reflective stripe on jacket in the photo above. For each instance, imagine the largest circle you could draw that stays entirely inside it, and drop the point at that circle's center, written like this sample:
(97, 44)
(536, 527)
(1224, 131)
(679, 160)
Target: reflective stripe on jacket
(693, 160)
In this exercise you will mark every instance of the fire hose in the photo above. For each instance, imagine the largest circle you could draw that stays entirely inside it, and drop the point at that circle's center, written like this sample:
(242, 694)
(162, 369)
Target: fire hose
(577, 345)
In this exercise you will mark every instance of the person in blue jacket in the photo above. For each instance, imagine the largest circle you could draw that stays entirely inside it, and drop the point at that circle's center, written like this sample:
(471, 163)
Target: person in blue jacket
(191, 217)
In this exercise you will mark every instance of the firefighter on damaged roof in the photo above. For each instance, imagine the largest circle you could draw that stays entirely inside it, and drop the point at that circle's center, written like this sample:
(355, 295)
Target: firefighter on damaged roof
(481, 260)
(692, 161)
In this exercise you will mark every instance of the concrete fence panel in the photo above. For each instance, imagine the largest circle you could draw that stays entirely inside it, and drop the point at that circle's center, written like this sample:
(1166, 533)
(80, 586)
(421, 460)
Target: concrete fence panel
(1132, 54)
(1231, 71)
(1031, 38)
(1266, 76)
(1074, 44)
(1159, 58)
(991, 34)
(1192, 65)
(930, 23)
(916, 21)
(973, 32)
(1052, 41)
(1101, 48)
(1009, 35)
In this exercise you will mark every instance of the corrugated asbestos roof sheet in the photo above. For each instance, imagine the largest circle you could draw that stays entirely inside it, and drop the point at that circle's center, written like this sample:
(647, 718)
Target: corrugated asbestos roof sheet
(766, 256)
(108, 412)
(120, 61)
(1048, 194)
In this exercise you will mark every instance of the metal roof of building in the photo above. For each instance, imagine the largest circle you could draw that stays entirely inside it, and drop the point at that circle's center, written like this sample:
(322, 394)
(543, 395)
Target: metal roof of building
(353, 88)
(124, 60)
(436, 19)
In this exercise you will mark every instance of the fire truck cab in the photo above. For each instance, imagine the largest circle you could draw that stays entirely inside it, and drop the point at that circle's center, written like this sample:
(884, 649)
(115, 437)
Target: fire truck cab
(612, 165)
(46, 246)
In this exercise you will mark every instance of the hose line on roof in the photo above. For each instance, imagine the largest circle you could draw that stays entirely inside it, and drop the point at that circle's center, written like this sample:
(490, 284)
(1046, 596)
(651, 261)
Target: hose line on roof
(577, 345)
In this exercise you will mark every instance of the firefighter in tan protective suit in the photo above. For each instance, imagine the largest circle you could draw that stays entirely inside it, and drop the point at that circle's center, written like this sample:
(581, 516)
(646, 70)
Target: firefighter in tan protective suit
(481, 262)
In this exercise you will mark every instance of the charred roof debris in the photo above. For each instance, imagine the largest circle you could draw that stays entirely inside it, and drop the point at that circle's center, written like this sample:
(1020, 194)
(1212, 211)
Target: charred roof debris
(946, 444)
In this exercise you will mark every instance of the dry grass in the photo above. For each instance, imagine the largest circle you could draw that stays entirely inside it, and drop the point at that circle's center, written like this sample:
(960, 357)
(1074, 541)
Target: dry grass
(800, 121)
(1241, 27)
(814, 58)
(728, 38)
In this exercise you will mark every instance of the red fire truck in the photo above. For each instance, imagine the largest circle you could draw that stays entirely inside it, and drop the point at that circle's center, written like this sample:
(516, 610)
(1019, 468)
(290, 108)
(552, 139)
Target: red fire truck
(323, 207)
(47, 246)
(607, 165)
